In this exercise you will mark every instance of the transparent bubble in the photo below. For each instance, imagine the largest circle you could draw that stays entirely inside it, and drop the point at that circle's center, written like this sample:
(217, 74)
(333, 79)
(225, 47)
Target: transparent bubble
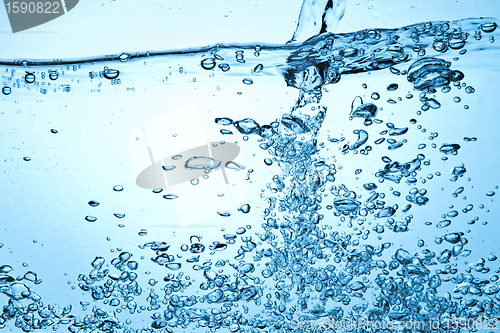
(208, 63)
(6, 90)
(29, 78)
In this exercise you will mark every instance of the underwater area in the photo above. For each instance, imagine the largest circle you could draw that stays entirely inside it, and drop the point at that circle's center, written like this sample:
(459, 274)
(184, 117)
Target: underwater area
(334, 182)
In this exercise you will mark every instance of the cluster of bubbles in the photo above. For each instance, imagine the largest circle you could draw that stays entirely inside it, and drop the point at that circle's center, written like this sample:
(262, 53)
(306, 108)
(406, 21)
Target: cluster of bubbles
(297, 266)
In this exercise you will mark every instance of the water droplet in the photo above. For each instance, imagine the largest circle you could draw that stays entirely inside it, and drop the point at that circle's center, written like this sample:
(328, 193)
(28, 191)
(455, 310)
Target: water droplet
(375, 96)
(27, 158)
(247, 81)
(433, 103)
(120, 216)
(366, 111)
(490, 193)
(110, 74)
(225, 132)
(443, 224)
(247, 126)
(168, 167)
(118, 188)
(195, 181)
(93, 203)
(224, 67)
(173, 266)
(157, 190)
(90, 218)
(488, 27)
(5, 269)
(449, 149)
(439, 46)
(234, 166)
(392, 87)
(223, 213)
(200, 162)
(170, 196)
(245, 208)
(224, 121)
(258, 68)
(469, 90)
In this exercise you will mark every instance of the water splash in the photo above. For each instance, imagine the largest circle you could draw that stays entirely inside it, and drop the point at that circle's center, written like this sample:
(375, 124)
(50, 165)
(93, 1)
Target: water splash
(317, 17)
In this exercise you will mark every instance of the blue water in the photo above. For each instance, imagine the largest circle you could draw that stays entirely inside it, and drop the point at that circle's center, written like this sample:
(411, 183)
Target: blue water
(370, 164)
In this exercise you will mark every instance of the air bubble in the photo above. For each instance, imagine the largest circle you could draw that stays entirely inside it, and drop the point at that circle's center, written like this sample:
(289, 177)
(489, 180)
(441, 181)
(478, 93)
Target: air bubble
(208, 63)
(6, 90)
(224, 67)
(488, 27)
(223, 213)
(110, 74)
(124, 57)
(29, 78)
(245, 208)
(90, 218)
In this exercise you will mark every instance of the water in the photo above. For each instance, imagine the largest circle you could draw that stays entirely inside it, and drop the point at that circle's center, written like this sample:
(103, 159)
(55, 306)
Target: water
(370, 161)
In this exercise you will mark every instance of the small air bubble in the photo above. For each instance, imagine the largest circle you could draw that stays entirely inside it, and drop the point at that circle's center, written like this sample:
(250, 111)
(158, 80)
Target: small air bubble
(208, 63)
(6, 90)
(223, 213)
(90, 218)
(29, 78)
(124, 57)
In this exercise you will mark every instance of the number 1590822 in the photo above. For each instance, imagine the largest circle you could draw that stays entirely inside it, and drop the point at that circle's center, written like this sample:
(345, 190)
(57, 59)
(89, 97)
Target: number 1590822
(40, 7)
